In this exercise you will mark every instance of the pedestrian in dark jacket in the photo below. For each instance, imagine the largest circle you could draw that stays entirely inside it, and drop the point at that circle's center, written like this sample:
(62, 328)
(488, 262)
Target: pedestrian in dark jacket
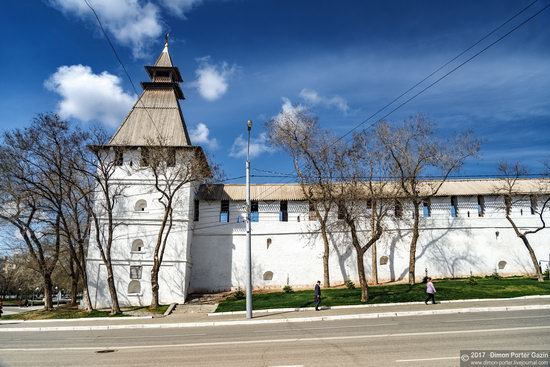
(317, 294)
(430, 291)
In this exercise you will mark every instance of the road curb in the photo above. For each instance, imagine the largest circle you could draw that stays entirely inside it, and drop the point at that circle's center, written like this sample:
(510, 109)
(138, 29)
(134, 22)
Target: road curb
(279, 321)
(302, 309)
(76, 319)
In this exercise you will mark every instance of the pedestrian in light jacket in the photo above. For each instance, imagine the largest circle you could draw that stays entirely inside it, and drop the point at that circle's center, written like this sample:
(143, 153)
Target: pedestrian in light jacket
(317, 295)
(430, 291)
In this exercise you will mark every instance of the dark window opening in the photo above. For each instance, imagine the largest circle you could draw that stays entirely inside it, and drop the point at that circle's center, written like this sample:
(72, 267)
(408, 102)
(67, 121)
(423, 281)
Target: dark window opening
(144, 160)
(135, 272)
(398, 210)
(254, 213)
(426, 209)
(171, 158)
(508, 205)
(533, 202)
(283, 211)
(196, 211)
(224, 211)
(312, 212)
(480, 206)
(341, 211)
(119, 158)
(454, 206)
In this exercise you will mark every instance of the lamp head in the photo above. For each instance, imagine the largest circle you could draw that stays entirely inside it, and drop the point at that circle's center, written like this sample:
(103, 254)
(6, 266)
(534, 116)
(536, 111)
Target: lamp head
(249, 124)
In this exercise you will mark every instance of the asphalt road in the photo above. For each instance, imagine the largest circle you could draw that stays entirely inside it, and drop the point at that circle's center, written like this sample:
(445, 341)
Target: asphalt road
(412, 341)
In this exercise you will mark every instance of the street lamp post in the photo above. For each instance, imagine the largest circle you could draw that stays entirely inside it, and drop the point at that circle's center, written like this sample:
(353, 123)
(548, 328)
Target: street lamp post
(248, 231)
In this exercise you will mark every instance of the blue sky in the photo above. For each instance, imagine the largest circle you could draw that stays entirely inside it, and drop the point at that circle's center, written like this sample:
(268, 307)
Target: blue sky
(249, 59)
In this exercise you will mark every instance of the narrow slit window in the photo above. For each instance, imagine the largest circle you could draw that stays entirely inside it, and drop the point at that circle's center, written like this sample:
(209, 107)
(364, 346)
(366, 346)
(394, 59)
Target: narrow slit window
(144, 159)
(119, 158)
(480, 206)
(254, 213)
(398, 209)
(426, 209)
(171, 158)
(508, 205)
(283, 211)
(312, 212)
(224, 211)
(454, 206)
(196, 211)
(341, 211)
(533, 202)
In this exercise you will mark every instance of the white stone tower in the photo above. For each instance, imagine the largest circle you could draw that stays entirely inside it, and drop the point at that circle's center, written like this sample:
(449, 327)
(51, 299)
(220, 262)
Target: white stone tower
(154, 124)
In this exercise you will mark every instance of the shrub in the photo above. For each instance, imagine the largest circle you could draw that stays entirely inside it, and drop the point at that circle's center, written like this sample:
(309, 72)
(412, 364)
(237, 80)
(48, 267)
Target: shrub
(425, 279)
(288, 289)
(239, 294)
(545, 274)
(472, 280)
(495, 275)
(350, 284)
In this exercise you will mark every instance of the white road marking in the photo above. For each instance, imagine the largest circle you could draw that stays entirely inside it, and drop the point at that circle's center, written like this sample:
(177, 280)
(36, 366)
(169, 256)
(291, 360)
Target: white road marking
(294, 365)
(426, 359)
(138, 337)
(324, 328)
(273, 341)
(501, 318)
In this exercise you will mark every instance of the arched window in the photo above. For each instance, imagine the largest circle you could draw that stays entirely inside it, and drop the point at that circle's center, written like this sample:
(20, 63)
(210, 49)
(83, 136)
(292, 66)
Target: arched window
(134, 287)
(268, 275)
(501, 264)
(384, 260)
(137, 246)
(140, 206)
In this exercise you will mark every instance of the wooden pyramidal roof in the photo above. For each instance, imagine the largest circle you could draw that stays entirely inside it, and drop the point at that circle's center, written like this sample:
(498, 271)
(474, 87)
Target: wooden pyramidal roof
(156, 117)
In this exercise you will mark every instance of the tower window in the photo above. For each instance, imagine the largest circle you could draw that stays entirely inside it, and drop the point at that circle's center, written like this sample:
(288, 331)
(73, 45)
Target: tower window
(137, 246)
(508, 205)
(134, 287)
(312, 212)
(140, 206)
(135, 272)
(224, 211)
(171, 158)
(144, 160)
(119, 157)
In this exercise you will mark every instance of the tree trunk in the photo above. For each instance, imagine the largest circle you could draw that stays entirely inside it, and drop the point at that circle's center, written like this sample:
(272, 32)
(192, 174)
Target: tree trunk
(86, 293)
(326, 271)
(536, 264)
(48, 287)
(115, 307)
(414, 240)
(74, 289)
(362, 277)
(374, 265)
(155, 285)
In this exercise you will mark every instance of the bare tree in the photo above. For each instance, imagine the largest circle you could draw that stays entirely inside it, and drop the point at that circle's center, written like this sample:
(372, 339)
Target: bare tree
(363, 198)
(173, 169)
(416, 151)
(100, 165)
(313, 151)
(512, 194)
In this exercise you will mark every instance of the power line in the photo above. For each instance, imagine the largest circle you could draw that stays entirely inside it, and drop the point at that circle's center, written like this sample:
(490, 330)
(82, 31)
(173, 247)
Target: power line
(106, 35)
(445, 75)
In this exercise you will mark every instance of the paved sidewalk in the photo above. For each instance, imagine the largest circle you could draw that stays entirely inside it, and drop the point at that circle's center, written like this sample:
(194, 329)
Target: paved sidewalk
(180, 320)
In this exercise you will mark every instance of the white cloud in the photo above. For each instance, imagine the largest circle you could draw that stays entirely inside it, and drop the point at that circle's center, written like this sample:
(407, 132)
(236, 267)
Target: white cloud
(212, 79)
(133, 23)
(313, 98)
(89, 97)
(180, 7)
(201, 135)
(257, 146)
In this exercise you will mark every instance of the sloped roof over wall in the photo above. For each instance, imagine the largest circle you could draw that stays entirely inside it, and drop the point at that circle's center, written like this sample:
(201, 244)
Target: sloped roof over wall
(293, 192)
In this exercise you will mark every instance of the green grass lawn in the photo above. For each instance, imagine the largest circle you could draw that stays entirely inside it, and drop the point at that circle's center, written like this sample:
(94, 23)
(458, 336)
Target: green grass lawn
(449, 289)
(65, 312)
